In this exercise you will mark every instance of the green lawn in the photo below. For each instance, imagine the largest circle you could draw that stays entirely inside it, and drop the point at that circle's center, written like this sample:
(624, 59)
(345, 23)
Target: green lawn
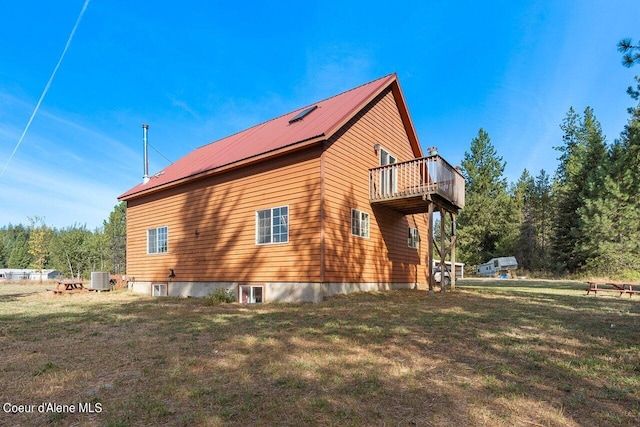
(490, 353)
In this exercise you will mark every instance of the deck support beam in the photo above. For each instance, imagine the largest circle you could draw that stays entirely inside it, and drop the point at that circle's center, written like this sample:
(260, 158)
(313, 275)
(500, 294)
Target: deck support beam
(443, 254)
(430, 246)
(453, 250)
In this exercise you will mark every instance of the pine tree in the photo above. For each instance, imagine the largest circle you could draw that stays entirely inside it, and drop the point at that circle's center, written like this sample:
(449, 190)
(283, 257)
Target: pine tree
(631, 53)
(565, 190)
(580, 174)
(618, 211)
(3, 262)
(610, 215)
(16, 247)
(482, 224)
(543, 221)
(521, 196)
(115, 232)
(532, 201)
(608, 246)
(594, 168)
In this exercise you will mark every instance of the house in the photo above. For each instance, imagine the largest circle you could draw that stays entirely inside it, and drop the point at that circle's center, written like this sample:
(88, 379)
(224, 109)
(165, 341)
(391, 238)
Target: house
(334, 197)
(495, 266)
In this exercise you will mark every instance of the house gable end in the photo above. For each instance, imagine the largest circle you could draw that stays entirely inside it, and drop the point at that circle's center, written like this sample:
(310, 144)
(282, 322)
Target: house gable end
(382, 124)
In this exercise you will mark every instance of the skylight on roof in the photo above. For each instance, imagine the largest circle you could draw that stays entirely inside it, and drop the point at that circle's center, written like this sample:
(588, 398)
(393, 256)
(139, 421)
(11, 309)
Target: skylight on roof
(301, 115)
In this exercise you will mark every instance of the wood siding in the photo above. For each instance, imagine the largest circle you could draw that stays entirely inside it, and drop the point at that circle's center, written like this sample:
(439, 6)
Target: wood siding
(385, 255)
(212, 227)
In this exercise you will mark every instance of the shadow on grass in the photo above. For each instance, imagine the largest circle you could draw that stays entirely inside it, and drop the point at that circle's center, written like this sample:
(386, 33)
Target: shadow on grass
(542, 285)
(10, 297)
(10, 291)
(401, 358)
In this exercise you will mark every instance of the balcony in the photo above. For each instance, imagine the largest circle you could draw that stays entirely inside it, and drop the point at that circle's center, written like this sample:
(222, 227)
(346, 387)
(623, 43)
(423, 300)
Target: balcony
(408, 186)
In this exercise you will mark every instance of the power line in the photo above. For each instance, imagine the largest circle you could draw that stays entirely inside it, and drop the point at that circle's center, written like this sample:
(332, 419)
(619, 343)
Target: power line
(46, 88)
(157, 151)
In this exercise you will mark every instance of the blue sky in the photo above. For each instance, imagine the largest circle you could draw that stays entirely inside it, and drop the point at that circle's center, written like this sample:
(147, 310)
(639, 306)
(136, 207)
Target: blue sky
(197, 71)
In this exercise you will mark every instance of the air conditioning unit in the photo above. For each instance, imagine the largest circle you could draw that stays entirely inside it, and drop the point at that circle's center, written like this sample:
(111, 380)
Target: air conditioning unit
(100, 281)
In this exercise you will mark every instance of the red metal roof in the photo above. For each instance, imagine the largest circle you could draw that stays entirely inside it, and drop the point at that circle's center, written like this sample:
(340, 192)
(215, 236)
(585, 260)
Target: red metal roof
(270, 137)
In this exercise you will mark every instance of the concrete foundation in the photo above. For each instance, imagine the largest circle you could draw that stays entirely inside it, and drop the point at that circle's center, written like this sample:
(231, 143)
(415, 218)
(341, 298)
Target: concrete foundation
(273, 291)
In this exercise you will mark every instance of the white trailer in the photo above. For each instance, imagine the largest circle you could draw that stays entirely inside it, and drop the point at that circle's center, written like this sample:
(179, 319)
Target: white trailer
(27, 274)
(497, 266)
(437, 271)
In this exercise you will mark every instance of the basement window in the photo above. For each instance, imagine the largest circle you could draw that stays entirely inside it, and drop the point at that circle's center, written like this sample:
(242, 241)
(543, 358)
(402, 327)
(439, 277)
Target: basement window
(159, 290)
(251, 294)
(301, 115)
(359, 223)
(413, 240)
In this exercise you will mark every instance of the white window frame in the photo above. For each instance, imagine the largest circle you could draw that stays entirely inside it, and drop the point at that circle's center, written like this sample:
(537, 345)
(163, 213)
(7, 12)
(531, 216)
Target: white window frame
(158, 247)
(360, 223)
(388, 178)
(391, 158)
(251, 296)
(413, 239)
(272, 226)
(159, 289)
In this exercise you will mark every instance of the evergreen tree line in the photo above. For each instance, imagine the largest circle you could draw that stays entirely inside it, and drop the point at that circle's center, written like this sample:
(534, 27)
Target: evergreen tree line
(74, 251)
(585, 219)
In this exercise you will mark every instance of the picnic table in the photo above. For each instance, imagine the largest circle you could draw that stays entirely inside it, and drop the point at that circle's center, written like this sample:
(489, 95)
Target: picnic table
(69, 286)
(622, 288)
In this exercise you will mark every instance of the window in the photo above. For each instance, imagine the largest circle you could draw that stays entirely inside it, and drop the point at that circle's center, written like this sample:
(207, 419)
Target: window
(272, 226)
(251, 294)
(302, 114)
(414, 238)
(387, 158)
(157, 240)
(359, 223)
(159, 290)
(389, 176)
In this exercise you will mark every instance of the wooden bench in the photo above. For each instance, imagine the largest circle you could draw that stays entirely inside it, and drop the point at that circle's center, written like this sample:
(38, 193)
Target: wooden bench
(622, 288)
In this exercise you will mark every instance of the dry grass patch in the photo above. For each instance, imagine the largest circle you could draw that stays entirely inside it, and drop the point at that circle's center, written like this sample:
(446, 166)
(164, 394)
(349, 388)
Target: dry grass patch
(496, 353)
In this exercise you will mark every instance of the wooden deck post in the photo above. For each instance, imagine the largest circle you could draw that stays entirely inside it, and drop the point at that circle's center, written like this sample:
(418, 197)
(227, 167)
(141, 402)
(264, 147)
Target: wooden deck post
(443, 254)
(430, 246)
(453, 251)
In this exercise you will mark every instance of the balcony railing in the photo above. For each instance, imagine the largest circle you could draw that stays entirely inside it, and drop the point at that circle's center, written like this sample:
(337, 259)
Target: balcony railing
(415, 179)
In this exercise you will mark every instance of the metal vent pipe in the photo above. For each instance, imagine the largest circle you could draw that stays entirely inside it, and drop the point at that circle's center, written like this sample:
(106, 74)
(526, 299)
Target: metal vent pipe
(145, 177)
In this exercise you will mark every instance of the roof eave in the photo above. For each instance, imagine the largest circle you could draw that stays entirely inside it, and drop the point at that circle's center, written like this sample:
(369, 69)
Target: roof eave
(299, 145)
